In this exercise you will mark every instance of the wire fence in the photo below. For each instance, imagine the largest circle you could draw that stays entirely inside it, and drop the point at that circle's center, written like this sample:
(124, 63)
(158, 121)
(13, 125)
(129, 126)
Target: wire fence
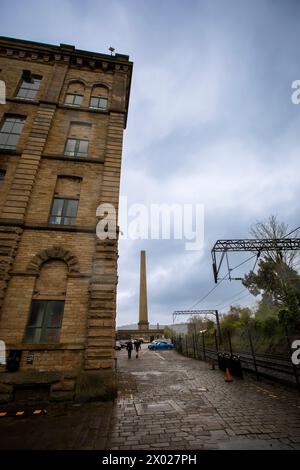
(267, 356)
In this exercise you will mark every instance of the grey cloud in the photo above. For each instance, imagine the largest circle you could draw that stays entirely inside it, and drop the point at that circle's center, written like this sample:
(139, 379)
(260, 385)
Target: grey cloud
(210, 121)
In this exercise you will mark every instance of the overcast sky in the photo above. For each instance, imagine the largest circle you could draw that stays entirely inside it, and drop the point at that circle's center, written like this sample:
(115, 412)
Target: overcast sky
(210, 122)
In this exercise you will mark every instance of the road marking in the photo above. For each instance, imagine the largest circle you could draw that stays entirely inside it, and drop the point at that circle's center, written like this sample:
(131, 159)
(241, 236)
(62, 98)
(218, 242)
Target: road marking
(163, 358)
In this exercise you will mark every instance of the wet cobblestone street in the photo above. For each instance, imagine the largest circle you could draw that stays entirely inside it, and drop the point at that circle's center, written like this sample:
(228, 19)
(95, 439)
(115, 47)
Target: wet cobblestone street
(168, 401)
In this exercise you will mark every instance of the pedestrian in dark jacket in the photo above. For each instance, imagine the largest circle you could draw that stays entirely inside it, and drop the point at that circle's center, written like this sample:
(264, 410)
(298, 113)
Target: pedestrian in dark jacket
(129, 348)
(137, 347)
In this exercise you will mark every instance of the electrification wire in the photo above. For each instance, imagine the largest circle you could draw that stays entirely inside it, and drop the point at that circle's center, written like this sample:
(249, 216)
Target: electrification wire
(239, 298)
(249, 293)
(295, 229)
(206, 295)
(229, 299)
(221, 280)
(232, 269)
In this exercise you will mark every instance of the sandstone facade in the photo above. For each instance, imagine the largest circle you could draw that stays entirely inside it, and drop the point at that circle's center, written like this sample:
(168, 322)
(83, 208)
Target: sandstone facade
(50, 254)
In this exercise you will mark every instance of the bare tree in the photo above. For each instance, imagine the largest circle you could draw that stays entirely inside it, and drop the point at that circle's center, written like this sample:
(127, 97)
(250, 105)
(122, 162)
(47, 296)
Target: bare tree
(273, 229)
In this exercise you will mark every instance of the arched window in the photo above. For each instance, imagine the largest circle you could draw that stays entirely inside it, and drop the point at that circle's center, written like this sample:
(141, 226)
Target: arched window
(99, 97)
(47, 306)
(75, 93)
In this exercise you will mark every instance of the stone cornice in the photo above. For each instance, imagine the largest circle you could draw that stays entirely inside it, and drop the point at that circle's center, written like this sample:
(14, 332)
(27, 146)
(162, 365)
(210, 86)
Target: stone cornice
(64, 53)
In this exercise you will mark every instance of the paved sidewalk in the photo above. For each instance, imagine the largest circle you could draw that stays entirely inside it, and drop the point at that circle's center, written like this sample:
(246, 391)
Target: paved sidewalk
(66, 427)
(168, 401)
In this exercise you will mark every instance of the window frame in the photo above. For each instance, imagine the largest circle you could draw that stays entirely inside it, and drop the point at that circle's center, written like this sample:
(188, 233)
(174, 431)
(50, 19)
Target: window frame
(22, 86)
(76, 152)
(44, 327)
(74, 96)
(98, 98)
(5, 121)
(63, 215)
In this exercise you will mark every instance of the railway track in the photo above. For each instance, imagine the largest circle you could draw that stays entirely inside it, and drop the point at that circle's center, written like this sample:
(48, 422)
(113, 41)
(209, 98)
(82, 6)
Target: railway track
(267, 364)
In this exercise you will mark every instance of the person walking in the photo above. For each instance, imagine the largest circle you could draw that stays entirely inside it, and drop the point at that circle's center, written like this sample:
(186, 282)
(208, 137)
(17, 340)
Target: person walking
(129, 348)
(137, 347)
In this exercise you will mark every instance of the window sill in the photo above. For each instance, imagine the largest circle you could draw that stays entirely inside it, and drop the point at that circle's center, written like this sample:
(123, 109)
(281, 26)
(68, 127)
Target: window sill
(91, 108)
(58, 227)
(76, 156)
(10, 151)
(23, 100)
(75, 159)
(85, 108)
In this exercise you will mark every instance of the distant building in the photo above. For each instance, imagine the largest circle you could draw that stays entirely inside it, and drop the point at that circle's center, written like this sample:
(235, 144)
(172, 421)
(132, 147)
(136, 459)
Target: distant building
(61, 133)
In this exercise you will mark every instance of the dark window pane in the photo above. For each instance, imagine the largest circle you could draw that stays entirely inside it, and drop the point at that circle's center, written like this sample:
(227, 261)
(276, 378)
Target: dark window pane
(54, 312)
(57, 206)
(78, 100)
(10, 132)
(83, 147)
(7, 125)
(74, 100)
(55, 219)
(57, 210)
(51, 335)
(22, 93)
(36, 84)
(31, 94)
(29, 89)
(94, 102)
(45, 321)
(33, 335)
(71, 207)
(69, 99)
(70, 211)
(17, 127)
(36, 314)
(12, 140)
(70, 147)
(3, 139)
(103, 103)
(64, 211)
(76, 147)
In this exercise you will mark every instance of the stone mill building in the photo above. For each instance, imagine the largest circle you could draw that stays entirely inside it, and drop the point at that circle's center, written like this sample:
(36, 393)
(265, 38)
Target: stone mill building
(61, 130)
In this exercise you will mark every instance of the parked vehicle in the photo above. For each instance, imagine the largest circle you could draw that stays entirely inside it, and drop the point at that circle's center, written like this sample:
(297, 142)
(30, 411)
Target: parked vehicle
(160, 340)
(118, 346)
(161, 345)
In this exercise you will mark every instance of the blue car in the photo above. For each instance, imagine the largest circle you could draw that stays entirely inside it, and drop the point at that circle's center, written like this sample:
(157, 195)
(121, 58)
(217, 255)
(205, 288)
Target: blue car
(161, 345)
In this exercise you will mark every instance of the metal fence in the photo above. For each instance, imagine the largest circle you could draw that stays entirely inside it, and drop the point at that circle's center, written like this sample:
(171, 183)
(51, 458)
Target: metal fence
(243, 350)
